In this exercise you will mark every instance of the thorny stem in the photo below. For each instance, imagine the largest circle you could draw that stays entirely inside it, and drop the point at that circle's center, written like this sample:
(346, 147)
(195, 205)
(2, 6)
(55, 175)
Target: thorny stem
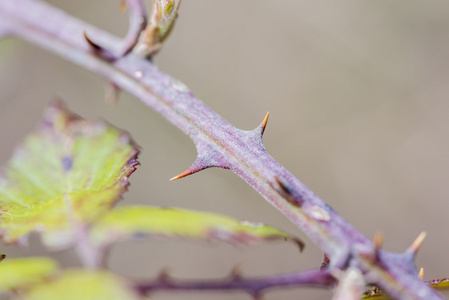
(218, 143)
(253, 286)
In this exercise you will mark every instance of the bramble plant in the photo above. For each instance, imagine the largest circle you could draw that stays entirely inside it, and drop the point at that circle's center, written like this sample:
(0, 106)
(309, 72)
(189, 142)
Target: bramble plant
(64, 180)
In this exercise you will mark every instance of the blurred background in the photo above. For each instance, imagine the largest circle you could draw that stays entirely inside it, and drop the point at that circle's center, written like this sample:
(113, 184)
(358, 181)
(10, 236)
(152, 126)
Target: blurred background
(358, 100)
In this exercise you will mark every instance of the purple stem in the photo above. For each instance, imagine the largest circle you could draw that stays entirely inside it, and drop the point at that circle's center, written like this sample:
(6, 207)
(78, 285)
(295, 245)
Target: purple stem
(218, 143)
(253, 286)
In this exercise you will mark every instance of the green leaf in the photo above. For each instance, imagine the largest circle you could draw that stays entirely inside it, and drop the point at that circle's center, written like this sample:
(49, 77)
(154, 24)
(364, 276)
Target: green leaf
(142, 221)
(65, 175)
(20, 273)
(85, 285)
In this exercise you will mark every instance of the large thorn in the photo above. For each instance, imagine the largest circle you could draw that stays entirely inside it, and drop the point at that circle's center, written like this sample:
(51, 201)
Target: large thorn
(187, 172)
(207, 158)
(414, 247)
(197, 166)
(264, 122)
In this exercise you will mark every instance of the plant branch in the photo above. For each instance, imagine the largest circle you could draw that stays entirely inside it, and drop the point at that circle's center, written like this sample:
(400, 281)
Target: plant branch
(137, 23)
(218, 143)
(253, 286)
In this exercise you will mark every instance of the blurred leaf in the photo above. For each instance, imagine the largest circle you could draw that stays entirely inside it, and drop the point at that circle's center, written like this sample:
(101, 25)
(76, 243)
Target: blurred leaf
(163, 16)
(377, 294)
(85, 285)
(142, 221)
(15, 273)
(64, 175)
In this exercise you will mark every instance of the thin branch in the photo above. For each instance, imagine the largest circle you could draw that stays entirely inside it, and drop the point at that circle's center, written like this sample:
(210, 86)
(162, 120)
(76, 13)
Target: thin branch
(218, 143)
(253, 286)
(137, 23)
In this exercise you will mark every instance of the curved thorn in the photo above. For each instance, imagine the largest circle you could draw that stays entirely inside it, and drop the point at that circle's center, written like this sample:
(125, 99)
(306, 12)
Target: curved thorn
(301, 245)
(283, 186)
(94, 45)
(285, 191)
(421, 274)
(100, 51)
(264, 122)
(414, 247)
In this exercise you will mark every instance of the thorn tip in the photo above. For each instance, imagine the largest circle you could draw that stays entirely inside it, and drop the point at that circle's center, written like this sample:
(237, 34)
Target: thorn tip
(264, 122)
(182, 174)
(378, 240)
(421, 274)
(414, 247)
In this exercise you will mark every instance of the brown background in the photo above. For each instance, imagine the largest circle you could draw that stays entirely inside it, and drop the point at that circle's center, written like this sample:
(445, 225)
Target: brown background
(358, 96)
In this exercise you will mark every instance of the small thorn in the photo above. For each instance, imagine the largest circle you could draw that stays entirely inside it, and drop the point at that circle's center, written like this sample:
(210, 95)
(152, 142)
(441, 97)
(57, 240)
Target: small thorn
(236, 272)
(414, 247)
(378, 240)
(111, 94)
(264, 122)
(164, 275)
(123, 5)
(421, 274)
(301, 244)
